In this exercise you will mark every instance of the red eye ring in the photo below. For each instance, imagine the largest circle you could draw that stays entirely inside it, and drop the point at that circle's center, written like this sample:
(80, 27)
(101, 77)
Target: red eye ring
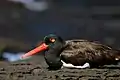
(52, 39)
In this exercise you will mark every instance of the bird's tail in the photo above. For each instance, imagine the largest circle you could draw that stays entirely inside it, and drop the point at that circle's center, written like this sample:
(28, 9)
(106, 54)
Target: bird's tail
(117, 55)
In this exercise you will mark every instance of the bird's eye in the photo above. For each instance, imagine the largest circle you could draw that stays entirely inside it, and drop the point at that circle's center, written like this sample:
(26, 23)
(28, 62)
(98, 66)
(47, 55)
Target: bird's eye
(52, 40)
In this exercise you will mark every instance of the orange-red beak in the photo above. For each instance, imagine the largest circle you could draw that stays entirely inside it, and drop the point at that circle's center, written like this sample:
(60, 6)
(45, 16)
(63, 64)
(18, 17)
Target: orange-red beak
(40, 48)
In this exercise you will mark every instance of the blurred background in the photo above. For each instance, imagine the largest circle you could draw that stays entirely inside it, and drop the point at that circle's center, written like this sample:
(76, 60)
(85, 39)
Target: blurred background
(23, 23)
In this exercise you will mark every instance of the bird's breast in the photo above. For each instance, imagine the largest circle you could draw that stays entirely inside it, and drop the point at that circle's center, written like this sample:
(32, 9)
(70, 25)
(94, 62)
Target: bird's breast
(53, 61)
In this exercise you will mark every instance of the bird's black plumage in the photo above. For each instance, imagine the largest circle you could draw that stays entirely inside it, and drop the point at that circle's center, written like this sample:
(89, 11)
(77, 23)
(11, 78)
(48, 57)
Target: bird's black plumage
(78, 52)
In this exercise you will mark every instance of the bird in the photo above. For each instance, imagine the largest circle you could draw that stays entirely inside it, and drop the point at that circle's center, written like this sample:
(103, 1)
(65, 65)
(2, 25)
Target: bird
(75, 53)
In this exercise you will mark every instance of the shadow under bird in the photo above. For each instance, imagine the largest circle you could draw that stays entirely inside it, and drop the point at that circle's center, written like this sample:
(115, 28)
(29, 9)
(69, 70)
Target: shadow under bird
(75, 53)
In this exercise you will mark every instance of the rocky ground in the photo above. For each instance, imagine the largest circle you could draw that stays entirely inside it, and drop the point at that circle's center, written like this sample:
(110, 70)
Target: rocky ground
(36, 69)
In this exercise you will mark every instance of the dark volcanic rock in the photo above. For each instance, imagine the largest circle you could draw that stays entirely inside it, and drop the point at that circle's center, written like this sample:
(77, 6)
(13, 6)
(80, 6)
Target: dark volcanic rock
(30, 70)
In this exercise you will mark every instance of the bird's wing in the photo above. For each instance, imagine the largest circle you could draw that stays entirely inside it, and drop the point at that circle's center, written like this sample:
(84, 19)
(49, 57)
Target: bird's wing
(78, 51)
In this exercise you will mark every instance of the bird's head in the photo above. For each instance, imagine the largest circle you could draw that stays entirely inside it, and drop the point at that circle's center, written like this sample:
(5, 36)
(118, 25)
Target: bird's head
(48, 42)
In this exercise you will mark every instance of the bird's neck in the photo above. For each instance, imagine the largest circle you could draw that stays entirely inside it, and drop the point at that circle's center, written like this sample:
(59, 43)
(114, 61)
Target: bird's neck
(52, 56)
(56, 49)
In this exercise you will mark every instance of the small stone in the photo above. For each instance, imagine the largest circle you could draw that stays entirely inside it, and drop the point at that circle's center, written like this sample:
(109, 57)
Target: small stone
(37, 71)
(2, 69)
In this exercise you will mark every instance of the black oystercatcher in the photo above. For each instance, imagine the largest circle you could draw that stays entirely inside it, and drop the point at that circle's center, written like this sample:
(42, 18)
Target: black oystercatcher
(75, 53)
